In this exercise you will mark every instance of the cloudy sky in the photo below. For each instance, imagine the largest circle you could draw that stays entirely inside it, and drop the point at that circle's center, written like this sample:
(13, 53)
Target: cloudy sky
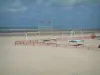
(61, 13)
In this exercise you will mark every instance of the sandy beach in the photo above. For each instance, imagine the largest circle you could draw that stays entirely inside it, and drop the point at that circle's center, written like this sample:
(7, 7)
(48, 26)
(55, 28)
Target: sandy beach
(48, 60)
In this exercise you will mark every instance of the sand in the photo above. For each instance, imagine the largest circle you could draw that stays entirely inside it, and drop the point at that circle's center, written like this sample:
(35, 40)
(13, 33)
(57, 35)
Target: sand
(47, 60)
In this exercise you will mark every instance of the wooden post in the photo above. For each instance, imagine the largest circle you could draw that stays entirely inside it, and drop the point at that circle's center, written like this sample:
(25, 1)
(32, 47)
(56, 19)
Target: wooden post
(99, 46)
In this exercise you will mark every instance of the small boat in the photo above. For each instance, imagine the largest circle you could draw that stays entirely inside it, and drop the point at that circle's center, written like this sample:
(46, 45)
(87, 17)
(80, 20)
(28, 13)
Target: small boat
(76, 41)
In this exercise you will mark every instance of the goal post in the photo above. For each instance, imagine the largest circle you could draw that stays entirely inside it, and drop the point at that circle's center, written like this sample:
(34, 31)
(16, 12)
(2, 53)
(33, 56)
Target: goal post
(45, 27)
(72, 34)
(78, 33)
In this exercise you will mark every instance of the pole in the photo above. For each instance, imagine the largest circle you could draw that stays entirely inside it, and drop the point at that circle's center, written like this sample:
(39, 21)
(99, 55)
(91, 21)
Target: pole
(26, 35)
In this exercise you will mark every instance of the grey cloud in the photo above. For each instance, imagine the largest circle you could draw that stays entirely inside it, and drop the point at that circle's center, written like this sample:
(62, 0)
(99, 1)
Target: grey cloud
(14, 6)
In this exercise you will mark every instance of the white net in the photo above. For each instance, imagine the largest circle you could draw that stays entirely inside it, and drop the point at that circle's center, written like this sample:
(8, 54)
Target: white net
(73, 34)
(45, 28)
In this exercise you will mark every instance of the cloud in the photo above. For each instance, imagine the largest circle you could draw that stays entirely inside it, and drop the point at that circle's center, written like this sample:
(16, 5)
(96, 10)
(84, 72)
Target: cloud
(67, 2)
(15, 9)
(14, 6)
(24, 8)
(22, 5)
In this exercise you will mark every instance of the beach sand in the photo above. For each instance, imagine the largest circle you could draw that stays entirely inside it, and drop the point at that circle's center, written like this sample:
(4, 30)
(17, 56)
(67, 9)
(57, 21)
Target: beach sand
(48, 60)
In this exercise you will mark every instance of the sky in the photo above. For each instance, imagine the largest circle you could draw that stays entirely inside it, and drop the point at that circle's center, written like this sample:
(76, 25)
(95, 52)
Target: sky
(61, 13)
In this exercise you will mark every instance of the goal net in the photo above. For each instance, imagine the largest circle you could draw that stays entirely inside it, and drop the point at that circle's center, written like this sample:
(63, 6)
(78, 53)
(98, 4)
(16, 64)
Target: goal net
(45, 28)
(73, 34)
